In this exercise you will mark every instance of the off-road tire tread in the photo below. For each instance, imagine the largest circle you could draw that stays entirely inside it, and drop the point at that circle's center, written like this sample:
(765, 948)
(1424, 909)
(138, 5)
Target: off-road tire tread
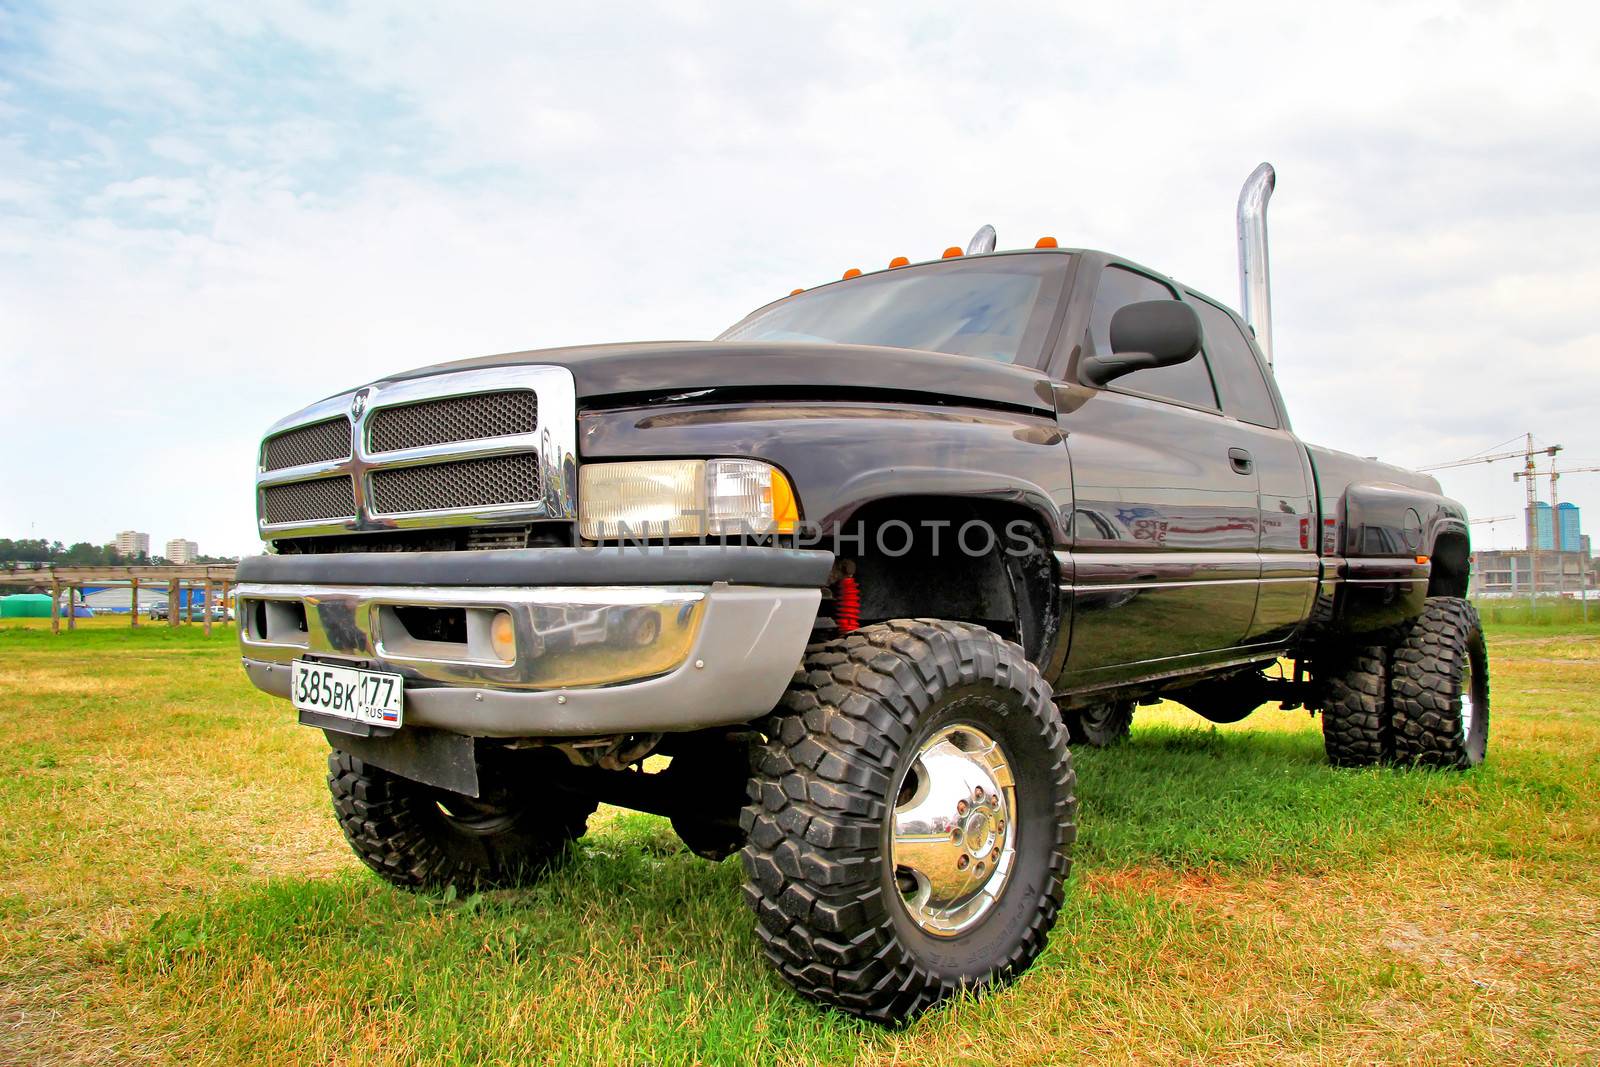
(1111, 730)
(1423, 680)
(384, 819)
(819, 793)
(1356, 727)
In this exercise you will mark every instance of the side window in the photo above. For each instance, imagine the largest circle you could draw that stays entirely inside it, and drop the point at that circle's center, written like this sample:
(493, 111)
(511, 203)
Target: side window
(1244, 390)
(1187, 383)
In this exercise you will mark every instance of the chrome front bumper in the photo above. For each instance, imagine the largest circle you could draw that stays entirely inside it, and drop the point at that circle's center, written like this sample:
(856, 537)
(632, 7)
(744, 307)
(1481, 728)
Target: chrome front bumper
(588, 660)
(613, 639)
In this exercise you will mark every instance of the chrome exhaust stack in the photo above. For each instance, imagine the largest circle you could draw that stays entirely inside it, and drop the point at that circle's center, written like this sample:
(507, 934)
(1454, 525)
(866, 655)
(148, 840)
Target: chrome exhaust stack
(1255, 283)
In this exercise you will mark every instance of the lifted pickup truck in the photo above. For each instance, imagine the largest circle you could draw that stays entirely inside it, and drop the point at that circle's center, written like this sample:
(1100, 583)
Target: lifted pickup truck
(861, 569)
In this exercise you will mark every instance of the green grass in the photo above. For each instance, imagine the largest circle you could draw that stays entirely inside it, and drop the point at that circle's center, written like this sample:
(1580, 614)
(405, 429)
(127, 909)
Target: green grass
(1559, 613)
(174, 889)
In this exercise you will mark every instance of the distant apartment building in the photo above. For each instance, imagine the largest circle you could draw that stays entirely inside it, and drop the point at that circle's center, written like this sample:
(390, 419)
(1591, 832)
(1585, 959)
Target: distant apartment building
(181, 551)
(1500, 572)
(1568, 528)
(132, 544)
(1558, 529)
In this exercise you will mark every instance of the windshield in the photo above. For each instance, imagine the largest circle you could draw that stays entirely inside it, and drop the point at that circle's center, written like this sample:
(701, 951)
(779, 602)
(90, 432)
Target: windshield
(981, 308)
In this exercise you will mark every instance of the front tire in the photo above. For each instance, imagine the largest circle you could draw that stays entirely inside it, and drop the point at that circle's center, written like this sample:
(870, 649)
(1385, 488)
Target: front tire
(1439, 687)
(912, 818)
(418, 837)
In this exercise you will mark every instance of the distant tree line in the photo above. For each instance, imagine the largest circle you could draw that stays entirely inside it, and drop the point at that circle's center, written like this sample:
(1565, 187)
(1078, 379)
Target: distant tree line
(38, 550)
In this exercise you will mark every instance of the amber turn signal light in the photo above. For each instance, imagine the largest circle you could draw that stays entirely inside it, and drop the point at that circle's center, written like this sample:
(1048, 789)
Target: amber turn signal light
(785, 509)
(503, 637)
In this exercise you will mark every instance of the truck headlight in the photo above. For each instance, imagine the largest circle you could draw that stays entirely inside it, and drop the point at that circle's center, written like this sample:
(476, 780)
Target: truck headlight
(684, 498)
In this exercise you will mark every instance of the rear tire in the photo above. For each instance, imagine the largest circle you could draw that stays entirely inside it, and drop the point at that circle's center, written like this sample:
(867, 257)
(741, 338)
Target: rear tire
(1439, 687)
(415, 836)
(1356, 727)
(866, 786)
(1099, 725)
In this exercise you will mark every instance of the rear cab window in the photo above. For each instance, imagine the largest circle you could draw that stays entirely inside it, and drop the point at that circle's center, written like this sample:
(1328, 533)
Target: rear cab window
(1186, 383)
(1238, 374)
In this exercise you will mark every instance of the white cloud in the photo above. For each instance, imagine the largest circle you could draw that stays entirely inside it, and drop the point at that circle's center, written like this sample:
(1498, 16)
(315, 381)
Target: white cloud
(328, 194)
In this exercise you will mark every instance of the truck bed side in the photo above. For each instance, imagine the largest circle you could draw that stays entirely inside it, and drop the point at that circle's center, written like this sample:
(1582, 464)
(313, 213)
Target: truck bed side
(1390, 539)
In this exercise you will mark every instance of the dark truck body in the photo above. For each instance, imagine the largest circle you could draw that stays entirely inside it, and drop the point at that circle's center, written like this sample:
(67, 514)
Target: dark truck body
(879, 590)
(864, 568)
(1183, 543)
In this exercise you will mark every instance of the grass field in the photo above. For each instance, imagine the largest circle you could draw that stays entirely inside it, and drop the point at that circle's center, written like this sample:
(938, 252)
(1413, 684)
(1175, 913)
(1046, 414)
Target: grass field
(173, 888)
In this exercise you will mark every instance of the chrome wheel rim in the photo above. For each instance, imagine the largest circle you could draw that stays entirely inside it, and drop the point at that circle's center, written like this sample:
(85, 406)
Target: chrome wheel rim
(954, 830)
(1468, 712)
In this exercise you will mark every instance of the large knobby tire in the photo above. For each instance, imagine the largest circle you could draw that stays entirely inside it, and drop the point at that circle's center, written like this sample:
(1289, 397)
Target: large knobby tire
(866, 786)
(1099, 725)
(416, 837)
(1356, 727)
(1439, 687)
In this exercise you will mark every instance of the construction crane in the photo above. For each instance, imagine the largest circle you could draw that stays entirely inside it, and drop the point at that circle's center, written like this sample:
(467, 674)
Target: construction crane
(1491, 519)
(1555, 529)
(1529, 471)
(1555, 474)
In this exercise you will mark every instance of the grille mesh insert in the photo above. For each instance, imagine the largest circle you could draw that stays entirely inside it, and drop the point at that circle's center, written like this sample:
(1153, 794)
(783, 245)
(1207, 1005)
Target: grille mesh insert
(324, 498)
(467, 483)
(453, 418)
(318, 443)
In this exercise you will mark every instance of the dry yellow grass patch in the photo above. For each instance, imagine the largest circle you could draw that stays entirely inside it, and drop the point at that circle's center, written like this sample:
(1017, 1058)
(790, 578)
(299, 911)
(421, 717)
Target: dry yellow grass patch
(173, 889)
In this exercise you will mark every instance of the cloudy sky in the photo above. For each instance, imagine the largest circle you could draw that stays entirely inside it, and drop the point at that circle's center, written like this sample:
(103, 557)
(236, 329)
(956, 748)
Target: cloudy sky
(211, 217)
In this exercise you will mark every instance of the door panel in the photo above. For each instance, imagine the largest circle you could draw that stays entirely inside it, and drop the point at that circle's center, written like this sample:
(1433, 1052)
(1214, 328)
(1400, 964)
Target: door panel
(1289, 564)
(1165, 536)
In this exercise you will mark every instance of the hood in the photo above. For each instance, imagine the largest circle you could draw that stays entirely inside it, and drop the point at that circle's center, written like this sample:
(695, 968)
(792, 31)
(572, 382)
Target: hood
(668, 369)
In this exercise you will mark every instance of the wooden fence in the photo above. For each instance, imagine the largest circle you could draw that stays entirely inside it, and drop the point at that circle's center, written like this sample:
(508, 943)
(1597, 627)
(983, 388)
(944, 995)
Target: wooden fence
(213, 580)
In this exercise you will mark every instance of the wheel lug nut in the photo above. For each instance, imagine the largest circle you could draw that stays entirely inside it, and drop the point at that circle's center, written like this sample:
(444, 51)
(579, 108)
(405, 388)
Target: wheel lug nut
(980, 868)
(995, 855)
(961, 863)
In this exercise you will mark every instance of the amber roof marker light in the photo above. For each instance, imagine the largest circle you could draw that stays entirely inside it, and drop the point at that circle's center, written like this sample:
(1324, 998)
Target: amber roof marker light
(951, 253)
(898, 261)
(853, 272)
(1045, 242)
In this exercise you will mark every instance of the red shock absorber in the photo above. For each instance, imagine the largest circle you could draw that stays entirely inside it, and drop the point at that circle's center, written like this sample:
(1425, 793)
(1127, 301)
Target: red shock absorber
(847, 605)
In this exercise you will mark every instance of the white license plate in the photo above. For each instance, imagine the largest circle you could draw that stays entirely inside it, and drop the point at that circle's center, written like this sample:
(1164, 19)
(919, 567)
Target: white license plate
(362, 696)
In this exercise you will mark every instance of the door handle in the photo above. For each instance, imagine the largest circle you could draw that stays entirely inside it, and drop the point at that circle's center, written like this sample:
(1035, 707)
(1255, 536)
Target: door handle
(1240, 460)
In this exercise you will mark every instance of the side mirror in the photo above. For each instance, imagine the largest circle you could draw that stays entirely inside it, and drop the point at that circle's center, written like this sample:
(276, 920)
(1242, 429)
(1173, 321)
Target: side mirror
(1153, 333)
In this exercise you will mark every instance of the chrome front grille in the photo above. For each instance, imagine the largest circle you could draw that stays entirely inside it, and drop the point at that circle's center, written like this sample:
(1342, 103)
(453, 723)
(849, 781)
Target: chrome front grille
(323, 498)
(475, 417)
(489, 446)
(321, 442)
(466, 483)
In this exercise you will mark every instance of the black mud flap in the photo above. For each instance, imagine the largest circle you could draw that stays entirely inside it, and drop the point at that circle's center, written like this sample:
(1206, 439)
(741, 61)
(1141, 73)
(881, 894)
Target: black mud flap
(433, 757)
